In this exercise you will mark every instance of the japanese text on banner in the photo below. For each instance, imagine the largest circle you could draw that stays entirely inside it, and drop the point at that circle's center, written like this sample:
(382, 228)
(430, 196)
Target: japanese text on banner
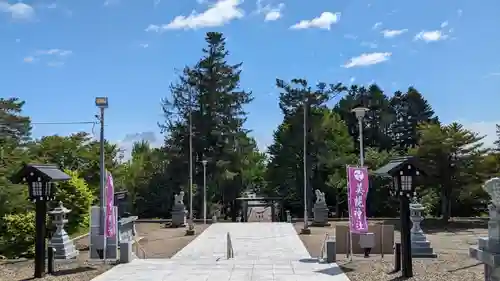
(357, 192)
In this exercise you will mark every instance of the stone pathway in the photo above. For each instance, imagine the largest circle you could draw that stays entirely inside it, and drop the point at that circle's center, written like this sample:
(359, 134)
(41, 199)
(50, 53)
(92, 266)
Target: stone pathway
(262, 252)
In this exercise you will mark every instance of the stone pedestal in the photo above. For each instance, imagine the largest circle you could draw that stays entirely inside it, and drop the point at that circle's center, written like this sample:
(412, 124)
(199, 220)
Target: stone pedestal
(420, 246)
(97, 239)
(488, 249)
(320, 211)
(178, 215)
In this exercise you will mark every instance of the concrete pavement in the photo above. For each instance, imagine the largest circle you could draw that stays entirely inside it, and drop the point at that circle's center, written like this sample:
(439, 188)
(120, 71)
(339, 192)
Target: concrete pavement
(262, 252)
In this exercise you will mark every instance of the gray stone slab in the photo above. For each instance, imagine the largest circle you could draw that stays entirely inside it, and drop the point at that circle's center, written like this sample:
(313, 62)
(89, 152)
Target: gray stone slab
(263, 252)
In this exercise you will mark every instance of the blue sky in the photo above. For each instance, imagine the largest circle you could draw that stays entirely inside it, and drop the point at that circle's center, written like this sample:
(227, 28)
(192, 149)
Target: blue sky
(59, 55)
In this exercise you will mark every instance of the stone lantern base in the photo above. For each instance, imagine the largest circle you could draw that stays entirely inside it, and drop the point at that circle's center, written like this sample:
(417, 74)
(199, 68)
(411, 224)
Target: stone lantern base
(421, 247)
(63, 246)
(488, 249)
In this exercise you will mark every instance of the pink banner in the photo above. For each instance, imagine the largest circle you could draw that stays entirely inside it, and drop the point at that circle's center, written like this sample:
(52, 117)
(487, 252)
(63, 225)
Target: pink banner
(357, 184)
(110, 198)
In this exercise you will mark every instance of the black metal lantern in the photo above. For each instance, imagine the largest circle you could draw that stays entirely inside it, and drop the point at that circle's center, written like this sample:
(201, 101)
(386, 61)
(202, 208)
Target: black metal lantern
(39, 190)
(41, 180)
(403, 171)
(403, 178)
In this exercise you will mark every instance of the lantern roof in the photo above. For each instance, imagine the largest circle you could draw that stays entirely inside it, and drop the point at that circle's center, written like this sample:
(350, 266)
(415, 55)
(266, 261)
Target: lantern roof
(59, 210)
(47, 173)
(397, 164)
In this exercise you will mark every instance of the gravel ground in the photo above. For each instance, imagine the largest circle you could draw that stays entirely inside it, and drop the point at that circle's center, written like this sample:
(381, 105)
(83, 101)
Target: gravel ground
(158, 242)
(451, 246)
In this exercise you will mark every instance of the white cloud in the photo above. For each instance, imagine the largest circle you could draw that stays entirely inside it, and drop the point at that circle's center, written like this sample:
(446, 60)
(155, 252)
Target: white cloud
(352, 79)
(58, 52)
(377, 25)
(272, 13)
(388, 33)
(444, 24)
(56, 56)
(220, 13)
(430, 36)
(144, 45)
(459, 12)
(367, 59)
(350, 36)
(29, 59)
(492, 74)
(18, 11)
(324, 21)
(272, 16)
(156, 2)
(483, 128)
(153, 28)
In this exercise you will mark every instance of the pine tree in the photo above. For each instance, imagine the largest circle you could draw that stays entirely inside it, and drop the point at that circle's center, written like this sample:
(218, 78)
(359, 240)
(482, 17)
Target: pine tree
(326, 146)
(210, 93)
(409, 110)
(497, 142)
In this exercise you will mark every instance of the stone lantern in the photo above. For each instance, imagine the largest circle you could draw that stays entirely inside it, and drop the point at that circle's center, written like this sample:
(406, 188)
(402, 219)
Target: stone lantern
(420, 246)
(63, 246)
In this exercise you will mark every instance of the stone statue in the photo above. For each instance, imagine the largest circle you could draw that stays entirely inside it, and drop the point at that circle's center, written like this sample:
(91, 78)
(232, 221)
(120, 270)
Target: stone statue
(179, 198)
(487, 249)
(320, 210)
(492, 187)
(178, 211)
(320, 197)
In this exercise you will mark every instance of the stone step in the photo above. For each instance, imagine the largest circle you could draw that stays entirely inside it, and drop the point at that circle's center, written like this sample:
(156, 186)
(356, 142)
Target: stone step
(421, 244)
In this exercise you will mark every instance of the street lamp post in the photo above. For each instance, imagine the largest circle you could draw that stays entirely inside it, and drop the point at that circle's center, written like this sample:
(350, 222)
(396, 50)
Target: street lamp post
(204, 162)
(190, 230)
(305, 229)
(360, 114)
(102, 104)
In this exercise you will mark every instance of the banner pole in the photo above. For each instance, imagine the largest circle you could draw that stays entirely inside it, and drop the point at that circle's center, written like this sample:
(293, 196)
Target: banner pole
(349, 211)
(105, 238)
(382, 243)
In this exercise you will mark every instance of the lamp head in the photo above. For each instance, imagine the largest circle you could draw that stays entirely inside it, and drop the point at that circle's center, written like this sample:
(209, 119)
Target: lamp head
(101, 102)
(360, 111)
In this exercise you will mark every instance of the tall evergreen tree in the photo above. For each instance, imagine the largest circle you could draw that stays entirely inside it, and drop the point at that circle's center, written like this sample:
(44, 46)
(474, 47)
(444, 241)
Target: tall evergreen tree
(14, 132)
(376, 124)
(327, 142)
(452, 152)
(209, 95)
(497, 141)
(409, 110)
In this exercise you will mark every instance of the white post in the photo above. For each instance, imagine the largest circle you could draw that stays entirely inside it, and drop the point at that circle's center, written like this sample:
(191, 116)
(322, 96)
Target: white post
(204, 191)
(361, 150)
(305, 162)
(190, 163)
(349, 235)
